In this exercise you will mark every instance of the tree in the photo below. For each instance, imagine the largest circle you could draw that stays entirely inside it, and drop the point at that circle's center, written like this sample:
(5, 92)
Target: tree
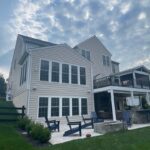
(2, 86)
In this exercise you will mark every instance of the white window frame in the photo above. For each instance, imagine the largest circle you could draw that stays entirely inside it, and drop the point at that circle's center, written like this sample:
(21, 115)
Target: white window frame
(60, 105)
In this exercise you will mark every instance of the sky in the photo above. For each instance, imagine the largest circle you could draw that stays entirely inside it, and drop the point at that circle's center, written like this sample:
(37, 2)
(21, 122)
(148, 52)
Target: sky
(123, 26)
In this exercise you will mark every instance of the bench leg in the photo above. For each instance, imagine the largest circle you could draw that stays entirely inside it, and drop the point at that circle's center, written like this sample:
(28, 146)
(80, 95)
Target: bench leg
(80, 130)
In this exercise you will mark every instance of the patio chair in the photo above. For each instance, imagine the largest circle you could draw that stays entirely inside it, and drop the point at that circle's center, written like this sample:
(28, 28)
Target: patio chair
(74, 129)
(87, 122)
(52, 124)
(127, 119)
(96, 118)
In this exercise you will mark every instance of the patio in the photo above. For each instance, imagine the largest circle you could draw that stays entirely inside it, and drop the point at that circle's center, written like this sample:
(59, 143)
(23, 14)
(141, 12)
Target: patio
(57, 137)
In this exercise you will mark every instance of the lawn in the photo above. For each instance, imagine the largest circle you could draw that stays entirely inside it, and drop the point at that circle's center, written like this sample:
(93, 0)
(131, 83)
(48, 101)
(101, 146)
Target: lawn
(11, 139)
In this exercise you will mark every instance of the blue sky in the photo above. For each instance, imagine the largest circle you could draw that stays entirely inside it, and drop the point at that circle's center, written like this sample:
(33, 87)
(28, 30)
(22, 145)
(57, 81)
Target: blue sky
(122, 26)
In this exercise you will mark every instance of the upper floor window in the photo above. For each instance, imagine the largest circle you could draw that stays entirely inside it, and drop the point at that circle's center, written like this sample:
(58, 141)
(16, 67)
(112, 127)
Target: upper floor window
(43, 106)
(44, 70)
(74, 74)
(108, 61)
(55, 71)
(65, 73)
(86, 54)
(23, 74)
(104, 60)
(82, 75)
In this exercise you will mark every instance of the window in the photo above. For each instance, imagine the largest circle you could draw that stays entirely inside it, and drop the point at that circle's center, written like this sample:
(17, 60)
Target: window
(65, 106)
(83, 106)
(75, 106)
(23, 73)
(107, 60)
(44, 71)
(54, 106)
(82, 75)
(86, 54)
(21, 77)
(74, 74)
(65, 73)
(83, 53)
(55, 72)
(43, 106)
(104, 60)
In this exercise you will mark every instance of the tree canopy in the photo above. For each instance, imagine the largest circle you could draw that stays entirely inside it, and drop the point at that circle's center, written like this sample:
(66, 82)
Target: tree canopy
(2, 86)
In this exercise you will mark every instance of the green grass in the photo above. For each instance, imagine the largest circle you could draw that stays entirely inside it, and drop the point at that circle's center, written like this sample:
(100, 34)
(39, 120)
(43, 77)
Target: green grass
(11, 139)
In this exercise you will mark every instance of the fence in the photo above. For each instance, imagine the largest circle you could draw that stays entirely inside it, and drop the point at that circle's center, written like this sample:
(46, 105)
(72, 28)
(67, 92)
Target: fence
(11, 113)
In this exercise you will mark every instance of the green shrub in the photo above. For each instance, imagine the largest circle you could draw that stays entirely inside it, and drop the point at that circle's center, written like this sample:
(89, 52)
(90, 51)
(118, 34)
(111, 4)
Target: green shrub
(29, 127)
(38, 132)
(23, 122)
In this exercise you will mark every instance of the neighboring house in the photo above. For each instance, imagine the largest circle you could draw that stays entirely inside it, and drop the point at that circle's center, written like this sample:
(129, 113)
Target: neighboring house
(57, 80)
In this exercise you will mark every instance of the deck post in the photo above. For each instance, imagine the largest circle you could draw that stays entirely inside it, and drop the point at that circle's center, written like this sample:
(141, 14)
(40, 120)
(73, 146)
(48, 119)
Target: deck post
(148, 98)
(113, 105)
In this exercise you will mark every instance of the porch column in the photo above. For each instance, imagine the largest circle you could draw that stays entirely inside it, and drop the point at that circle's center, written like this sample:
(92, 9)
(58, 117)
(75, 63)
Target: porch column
(113, 105)
(148, 98)
(132, 97)
(134, 79)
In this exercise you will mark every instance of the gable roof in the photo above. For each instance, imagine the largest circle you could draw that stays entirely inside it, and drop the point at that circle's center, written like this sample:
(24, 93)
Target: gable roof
(38, 42)
(94, 37)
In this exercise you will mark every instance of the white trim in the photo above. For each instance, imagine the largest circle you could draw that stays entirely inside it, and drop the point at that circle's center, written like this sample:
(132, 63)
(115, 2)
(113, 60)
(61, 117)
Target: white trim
(29, 82)
(119, 88)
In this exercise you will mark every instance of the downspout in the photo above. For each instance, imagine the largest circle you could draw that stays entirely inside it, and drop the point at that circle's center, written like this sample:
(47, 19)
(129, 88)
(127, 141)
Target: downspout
(29, 83)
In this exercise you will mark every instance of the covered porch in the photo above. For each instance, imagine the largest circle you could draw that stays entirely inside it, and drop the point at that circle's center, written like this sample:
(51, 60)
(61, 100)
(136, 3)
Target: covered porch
(111, 101)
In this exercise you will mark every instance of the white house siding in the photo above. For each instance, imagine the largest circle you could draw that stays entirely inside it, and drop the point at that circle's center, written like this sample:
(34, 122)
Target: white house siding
(19, 93)
(97, 51)
(63, 54)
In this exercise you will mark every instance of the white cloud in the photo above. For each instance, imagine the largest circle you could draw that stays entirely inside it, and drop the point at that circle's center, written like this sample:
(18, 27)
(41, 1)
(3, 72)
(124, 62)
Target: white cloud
(114, 25)
(4, 72)
(125, 7)
(142, 16)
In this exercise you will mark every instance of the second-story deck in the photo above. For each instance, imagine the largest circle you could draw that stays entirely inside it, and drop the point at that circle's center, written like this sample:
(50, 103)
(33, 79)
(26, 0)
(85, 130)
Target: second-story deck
(127, 81)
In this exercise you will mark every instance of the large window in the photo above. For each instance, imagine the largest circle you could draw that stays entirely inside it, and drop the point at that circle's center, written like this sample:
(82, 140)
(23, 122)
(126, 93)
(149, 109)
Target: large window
(55, 72)
(54, 107)
(74, 74)
(82, 75)
(65, 73)
(44, 71)
(83, 106)
(75, 106)
(43, 106)
(106, 60)
(65, 107)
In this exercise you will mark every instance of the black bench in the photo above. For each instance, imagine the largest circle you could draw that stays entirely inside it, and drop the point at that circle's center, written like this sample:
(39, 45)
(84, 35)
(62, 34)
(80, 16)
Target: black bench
(52, 124)
(74, 129)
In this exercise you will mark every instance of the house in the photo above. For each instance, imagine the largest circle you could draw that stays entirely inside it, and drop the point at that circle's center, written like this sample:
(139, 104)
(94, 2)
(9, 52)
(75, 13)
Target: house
(57, 80)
